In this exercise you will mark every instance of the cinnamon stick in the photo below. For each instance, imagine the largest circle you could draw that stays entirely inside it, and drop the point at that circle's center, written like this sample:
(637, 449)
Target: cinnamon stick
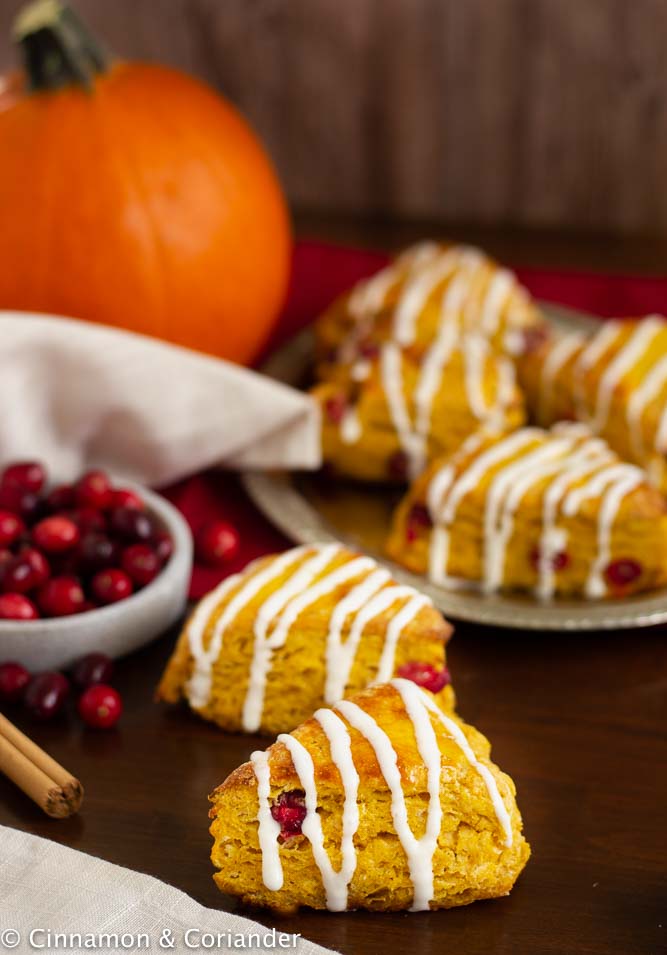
(45, 781)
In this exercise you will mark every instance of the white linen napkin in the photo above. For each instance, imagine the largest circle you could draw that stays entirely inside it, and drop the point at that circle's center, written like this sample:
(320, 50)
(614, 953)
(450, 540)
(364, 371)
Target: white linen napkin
(48, 887)
(79, 395)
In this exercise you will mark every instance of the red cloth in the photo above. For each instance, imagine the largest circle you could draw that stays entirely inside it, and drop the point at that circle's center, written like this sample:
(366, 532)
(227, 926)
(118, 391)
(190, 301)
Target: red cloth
(321, 272)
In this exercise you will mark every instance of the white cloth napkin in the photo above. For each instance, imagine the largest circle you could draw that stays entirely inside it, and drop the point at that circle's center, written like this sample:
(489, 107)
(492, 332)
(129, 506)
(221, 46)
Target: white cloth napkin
(48, 887)
(78, 395)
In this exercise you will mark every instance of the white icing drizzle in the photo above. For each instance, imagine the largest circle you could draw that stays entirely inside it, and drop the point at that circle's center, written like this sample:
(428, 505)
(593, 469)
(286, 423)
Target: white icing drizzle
(350, 426)
(623, 362)
(417, 291)
(588, 358)
(420, 852)
(475, 354)
(199, 685)
(650, 388)
(557, 358)
(391, 373)
(268, 829)
(254, 701)
(369, 295)
(499, 291)
(395, 629)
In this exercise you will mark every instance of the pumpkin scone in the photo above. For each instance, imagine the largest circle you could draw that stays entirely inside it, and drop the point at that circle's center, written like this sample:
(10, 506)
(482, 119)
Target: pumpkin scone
(269, 645)
(392, 416)
(614, 380)
(381, 802)
(551, 512)
(428, 286)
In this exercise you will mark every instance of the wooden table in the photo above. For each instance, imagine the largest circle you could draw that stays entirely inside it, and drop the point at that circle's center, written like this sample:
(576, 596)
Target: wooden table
(579, 721)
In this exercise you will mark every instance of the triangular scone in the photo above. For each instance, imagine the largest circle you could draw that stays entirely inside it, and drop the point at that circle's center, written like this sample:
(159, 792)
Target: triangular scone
(553, 512)
(406, 409)
(382, 802)
(296, 630)
(426, 287)
(614, 380)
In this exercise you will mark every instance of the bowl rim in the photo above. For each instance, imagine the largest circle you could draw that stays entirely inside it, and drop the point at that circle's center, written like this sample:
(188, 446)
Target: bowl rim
(174, 521)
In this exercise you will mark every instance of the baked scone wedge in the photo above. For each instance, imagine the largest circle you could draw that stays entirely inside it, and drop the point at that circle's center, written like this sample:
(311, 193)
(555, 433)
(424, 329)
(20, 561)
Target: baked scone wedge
(614, 380)
(382, 802)
(552, 512)
(429, 285)
(389, 418)
(268, 646)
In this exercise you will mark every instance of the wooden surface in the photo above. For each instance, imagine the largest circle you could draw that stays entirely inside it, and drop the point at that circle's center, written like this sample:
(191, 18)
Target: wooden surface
(580, 722)
(524, 112)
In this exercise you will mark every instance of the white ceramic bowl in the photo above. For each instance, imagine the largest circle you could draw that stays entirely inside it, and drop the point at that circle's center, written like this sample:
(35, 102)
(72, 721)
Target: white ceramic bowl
(119, 628)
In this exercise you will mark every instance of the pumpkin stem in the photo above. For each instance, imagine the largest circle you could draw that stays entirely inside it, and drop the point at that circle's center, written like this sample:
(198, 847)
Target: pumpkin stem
(57, 48)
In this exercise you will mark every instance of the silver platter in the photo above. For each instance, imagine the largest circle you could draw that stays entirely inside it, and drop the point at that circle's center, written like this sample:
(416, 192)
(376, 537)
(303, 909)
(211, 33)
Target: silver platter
(309, 509)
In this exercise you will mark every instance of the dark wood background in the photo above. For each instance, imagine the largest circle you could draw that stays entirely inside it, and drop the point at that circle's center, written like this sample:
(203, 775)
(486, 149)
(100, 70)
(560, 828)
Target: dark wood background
(547, 113)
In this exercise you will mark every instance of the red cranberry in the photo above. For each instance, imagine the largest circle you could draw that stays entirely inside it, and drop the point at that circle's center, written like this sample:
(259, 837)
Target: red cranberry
(11, 528)
(100, 706)
(6, 557)
(14, 679)
(124, 497)
(111, 585)
(559, 561)
(38, 564)
(97, 552)
(290, 811)
(15, 499)
(141, 563)
(419, 519)
(131, 524)
(18, 577)
(17, 607)
(46, 694)
(621, 573)
(56, 534)
(426, 675)
(334, 408)
(26, 475)
(163, 546)
(532, 339)
(369, 349)
(217, 542)
(397, 466)
(61, 596)
(88, 520)
(60, 498)
(92, 669)
(94, 490)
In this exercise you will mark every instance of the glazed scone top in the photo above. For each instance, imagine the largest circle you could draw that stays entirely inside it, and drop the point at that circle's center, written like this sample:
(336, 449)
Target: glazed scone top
(390, 738)
(357, 593)
(567, 471)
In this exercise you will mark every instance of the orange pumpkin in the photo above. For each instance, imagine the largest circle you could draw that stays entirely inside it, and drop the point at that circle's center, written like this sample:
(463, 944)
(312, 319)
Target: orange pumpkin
(134, 195)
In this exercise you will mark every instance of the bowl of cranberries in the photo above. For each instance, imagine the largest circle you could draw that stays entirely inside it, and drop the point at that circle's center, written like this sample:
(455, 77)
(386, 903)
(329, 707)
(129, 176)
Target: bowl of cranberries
(88, 565)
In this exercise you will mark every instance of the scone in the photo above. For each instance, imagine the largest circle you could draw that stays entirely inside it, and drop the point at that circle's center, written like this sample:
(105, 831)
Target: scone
(551, 512)
(382, 802)
(399, 411)
(408, 302)
(614, 380)
(295, 630)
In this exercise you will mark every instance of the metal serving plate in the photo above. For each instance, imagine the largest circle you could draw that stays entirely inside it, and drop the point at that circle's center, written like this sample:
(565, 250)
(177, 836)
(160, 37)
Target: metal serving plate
(310, 508)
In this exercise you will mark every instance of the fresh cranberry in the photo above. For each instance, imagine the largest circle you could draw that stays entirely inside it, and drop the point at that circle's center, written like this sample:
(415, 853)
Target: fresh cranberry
(621, 573)
(163, 546)
(419, 518)
(17, 607)
(46, 694)
(140, 563)
(61, 596)
(60, 498)
(14, 679)
(334, 408)
(369, 350)
(124, 497)
(11, 527)
(426, 675)
(217, 542)
(94, 490)
(18, 577)
(38, 563)
(532, 339)
(131, 524)
(92, 669)
(97, 552)
(6, 557)
(559, 561)
(26, 475)
(100, 706)
(290, 811)
(397, 466)
(19, 501)
(111, 585)
(88, 520)
(56, 534)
